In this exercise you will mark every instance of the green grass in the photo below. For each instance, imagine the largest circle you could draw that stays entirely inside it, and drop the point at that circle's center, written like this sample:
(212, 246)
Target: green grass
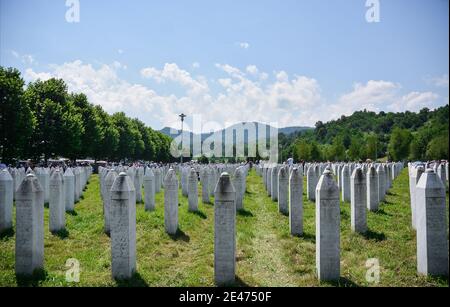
(267, 255)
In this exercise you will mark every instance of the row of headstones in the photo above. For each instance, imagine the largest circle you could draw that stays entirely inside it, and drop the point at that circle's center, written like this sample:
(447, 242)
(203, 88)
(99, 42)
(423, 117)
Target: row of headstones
(72, 184)
(368, 186)
(122, 212)
(427, 186)
(363, 183)
(30, 197)
(30, 200)
(151, 179)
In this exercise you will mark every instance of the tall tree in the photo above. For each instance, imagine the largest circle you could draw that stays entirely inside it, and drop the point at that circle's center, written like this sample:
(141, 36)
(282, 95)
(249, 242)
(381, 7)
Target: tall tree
(91, 126)
(399, 144)
(126, 147)
(106, 146)
(372, 146)
(16, 119)
(437, 149)
(59, 126)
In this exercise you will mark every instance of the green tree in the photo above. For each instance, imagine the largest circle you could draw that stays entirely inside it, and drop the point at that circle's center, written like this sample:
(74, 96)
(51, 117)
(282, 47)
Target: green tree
(316, 154)
(106, 146)
(355, 151)
(59, 125)
(303, 150)
(16, 119)
(126, 147)
(372, 146)
(338, 149)
(437, 149)
(399, 144)
(91, 126)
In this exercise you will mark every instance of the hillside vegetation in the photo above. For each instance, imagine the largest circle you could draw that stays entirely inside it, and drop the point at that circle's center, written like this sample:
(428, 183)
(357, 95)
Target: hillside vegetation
(370, 135)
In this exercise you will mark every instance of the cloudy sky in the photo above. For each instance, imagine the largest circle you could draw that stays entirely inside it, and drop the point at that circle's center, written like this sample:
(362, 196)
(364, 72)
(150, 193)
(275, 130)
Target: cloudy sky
(286, 62)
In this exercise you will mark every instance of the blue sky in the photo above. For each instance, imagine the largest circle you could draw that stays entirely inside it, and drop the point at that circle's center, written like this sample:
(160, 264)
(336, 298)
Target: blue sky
(290, 62)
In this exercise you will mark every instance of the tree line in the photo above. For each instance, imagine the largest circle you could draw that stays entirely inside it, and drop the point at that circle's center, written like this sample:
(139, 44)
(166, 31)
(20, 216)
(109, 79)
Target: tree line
(43, 120)
(369, 135)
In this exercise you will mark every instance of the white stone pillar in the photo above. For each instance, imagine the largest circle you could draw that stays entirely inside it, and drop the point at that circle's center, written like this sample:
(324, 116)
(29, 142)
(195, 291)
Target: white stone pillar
(57, 203)
(358, 201)
(137, 186)
(345, 175)
(381, 183)
(432, 244)
(184, 181)
(109, 181)
(158, 178)
(6, 200)
(269, 181)
(204, 177)
(237, 183)
(327, 228)
(283, 190)
(192, 190)
(414, 177)
(123, 227)
(77, 183)
(224, 231)
(171, 202)
(149, 190)
(274, 183)
(296, 202)
(311, 182)
(372, 189)
(29, 226)
(69, 188)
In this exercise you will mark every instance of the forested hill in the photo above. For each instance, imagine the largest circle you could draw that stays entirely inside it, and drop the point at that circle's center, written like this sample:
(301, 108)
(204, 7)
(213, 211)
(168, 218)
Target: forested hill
(364, 134)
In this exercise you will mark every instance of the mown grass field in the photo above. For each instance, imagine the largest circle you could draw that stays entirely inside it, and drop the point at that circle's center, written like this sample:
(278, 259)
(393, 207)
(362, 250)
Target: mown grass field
(267, 255)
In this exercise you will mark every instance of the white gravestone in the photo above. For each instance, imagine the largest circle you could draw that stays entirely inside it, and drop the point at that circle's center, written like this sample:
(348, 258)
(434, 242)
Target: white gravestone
(69, 188)
(327, 228)
(192, 190)
(358, 201)
(149, 190)
(171, 202)
(29, 226)
(224, 231)
(296, 202)
(57, 203)
(123, 227)
(432, 243)
(6, 200)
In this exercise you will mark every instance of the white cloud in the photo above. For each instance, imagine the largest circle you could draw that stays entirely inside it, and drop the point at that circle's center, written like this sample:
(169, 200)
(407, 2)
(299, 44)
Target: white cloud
(263, 76)
(441, 81)
(27, 59)
(372, 96)
(233, 71)
(287, 100)
(415, 101)
(252, 69)
(282, 76)
(243, 45)
(241, 99)
(196, 65)
(30, 75)
(171, 72)
(119, 65)
(381, 96)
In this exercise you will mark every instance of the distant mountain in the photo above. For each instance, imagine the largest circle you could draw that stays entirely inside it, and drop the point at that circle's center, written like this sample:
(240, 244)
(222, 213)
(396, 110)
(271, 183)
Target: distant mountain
(186, 134)
(291, 130)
